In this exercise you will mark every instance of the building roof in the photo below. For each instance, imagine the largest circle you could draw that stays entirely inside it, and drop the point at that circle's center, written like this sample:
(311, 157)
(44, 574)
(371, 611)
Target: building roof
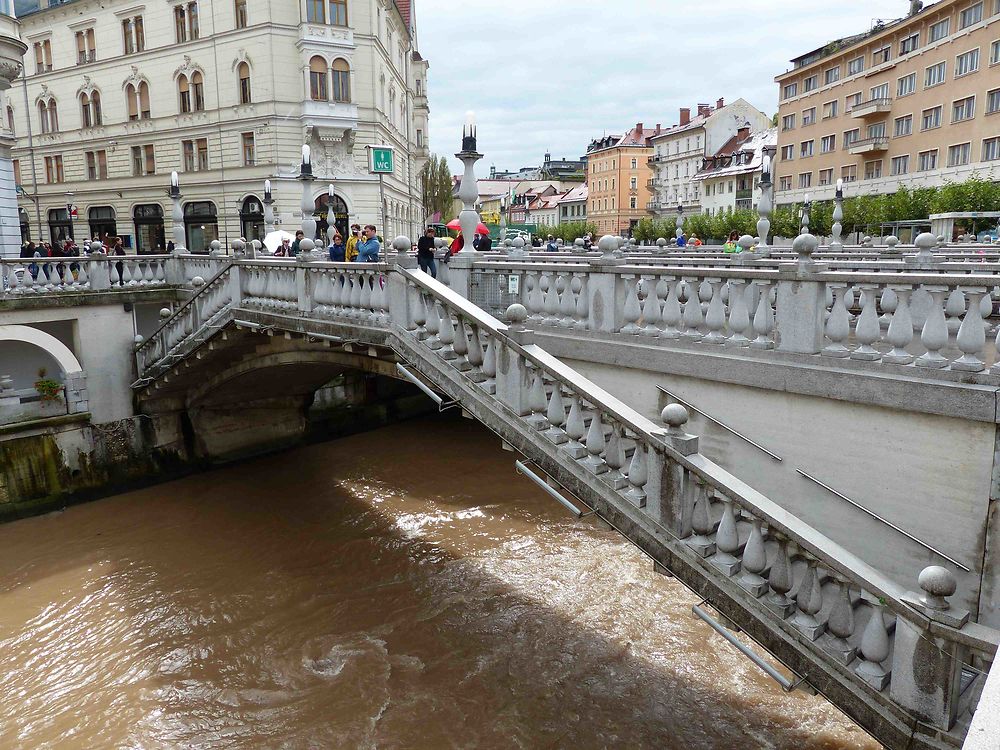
(579, 193)
(751, 147)
(403, 6)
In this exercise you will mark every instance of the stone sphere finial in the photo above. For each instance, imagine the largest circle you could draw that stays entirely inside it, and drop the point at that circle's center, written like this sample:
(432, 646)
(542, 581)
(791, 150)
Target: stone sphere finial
(937, 583)
(805, 245)
(256, 245)
(238, 246)
(438, 242)
(578, 242)
(507, 243)
(214, 247)
(197, 282)
(138, 340)
(402, 244)
(941, 241)
(661, 242)
(608, 244)
(925, 242)
(306, 245)
(890, 242)
(96, 246)
(519, 243)
(165, 313)
(745, 242)
(516, 314)
(675, 416)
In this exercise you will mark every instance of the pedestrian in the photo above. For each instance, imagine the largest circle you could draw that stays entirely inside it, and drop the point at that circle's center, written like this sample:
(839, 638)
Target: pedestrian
(170, 246)
(368, 248)
(456, 245)
(681, 240)
(731, 245)
(352, 242)
(119, 250)
(551, 247)
(299, 236)
(28, 250)
(338, 250)
(536, 241)
(425, 252)
(485, 244)
(695, 241)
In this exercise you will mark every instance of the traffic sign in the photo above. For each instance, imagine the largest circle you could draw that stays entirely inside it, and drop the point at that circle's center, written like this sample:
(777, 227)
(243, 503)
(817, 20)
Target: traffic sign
(381, 159)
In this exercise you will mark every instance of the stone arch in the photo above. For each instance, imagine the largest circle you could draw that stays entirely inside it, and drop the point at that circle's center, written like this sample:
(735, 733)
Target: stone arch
(61, 353)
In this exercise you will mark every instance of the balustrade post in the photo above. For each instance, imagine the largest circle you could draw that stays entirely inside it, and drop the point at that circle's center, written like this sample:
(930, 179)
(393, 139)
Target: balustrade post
(801, 301)
(98, 270)
(926, 668)
(603, 288)
(669, 506)
(400, 291)
(513, 376)
(235, 289)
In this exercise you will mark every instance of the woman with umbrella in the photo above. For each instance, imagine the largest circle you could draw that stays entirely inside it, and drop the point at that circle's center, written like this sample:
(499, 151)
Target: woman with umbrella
(481, 231)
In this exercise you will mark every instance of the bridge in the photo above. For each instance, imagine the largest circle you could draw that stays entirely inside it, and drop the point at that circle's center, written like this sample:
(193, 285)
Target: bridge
(902, 650)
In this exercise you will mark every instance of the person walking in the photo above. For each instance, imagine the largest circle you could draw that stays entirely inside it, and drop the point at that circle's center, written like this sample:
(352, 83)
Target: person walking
(338, 250)
(425, 252)
(551, 247)
(352, 242)
(369, 247)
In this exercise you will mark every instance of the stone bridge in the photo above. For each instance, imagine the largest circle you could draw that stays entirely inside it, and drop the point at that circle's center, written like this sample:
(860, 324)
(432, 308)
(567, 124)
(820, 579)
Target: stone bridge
(890, 650)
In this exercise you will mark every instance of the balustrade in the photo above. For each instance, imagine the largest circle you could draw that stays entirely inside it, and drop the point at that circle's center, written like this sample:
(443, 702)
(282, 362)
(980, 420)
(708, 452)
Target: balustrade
(84, 273)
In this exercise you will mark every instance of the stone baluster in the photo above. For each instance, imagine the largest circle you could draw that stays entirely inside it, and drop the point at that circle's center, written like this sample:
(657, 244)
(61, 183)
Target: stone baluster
(671, 310)
(357, 284)
(971, 337)
(461, 345)
(556, 416)
(582, 303)
(567, 304)
(594, 463)
(874, 650)
(419, 314)
(551, 303)
(447, 333)
(632, 311)
(701, 522)
(763, 318)
(537, 403)
(888, 304)
(536, 301)
(934, 335)
(780, 581)
(692, 317)
(490, 365)
(840, 624)
(754, 562)
(651, 306)
(809, 601)
(900, 332)
(433, 324)
(615, 459)
(715, 319)
(638, 475)
(475, 356)
(727, 541)
(576, 429)
(954, 308)
(739, 314)
(838, 325)
(867, 331)
(364, 312)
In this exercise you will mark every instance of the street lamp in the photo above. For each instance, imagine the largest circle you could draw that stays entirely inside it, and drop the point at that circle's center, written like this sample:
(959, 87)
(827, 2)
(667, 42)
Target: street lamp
(469, 191)
(680, 220)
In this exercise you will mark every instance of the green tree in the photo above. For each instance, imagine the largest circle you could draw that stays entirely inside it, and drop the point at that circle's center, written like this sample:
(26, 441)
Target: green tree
(436, 187)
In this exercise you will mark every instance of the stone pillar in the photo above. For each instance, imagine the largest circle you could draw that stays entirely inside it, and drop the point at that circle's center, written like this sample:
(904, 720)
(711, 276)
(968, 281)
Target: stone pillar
(668, 506)
(12, 51)
(268, 208)
(402, 297)
(603, 285)
(177, 215)
(513, 377)
(801, 301)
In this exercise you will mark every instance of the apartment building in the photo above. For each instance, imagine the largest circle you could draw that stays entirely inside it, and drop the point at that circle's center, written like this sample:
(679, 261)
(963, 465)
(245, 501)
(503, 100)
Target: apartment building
(678, 152)
(117, 95)
(730, 179)
(618, 177)
(915, 101)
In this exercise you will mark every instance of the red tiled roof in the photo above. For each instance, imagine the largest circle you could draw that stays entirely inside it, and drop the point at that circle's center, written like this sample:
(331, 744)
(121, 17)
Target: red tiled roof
(403, 6)
(636, 137)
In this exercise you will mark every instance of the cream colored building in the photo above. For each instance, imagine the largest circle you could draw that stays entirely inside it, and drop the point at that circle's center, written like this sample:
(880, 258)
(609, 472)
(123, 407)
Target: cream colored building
(618, 178)
(119, 93)
(916, 102)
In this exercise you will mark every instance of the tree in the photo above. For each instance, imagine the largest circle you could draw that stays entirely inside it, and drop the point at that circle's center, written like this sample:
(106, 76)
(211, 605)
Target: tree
(436, 187)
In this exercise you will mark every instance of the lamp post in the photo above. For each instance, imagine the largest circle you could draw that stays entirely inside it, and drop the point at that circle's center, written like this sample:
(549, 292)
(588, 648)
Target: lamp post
(307, 243)
(268, 208)
(766, 203)
(680, 220)
(838, 216)
(331, 216)
(806, 205)
(69, 212)
(469, 191)
(178, 214)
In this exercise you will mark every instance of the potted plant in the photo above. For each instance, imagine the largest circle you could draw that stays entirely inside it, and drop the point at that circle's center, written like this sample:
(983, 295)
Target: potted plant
(48, 389)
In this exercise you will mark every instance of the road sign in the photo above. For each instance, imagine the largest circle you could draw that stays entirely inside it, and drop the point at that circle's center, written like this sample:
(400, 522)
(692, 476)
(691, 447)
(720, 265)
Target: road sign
(381, 159)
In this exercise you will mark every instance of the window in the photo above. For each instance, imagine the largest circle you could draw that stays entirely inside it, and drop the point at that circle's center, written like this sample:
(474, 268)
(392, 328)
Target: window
(899, 165)
(882, 55)
(420, 138)
(850, 102)
(927, 160)
(341, 81)
(43, 56)
(789, 90)
(184, 90)
(930, 118)
(17, 171)
(805, 180)
(811, 83)
(86, 47)
(806, 149)
(133, 35)
(903, 126)
(633, 203)
(995, 52)
(143, 161)
(318, 89)
(873, 169)
(910, 43)
(635, 164)
(830, 110)
(808, 116)
(202, 146)
(633, 183)
(939, 30)
(787, 153)
(963, 109)
(850, 136)
(959, 155)
(90, 109)
(243, 70)
(338, 12)
(935, 74)
(906, 85)
(10, 118)
(785, 183)
(991, 149)
(849, 173)
(992, 102)
(241, 14)
(97, 165)
(188, 155)
(971, 15)
(967, 63)
(831, 75)
(855, 66)
(54, 169)
(828, 144)
(880, 92)
(316, 11)
(138, 101)
(826, 176)
(788, 122)
(249, 150)
(48, 116)
(877, 130)
(186, 22)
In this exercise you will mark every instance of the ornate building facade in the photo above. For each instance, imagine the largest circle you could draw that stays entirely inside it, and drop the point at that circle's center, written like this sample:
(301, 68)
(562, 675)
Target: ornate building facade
(117, 94)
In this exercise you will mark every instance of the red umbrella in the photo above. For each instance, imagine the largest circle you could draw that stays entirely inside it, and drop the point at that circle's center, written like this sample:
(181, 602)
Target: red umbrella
(454, 224)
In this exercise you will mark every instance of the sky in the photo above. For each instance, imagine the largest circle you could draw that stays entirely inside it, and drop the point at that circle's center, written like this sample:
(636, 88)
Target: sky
(553, 75)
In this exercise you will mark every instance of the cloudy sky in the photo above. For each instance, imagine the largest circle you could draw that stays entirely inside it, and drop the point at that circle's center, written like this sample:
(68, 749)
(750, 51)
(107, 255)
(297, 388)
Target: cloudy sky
(553, 75)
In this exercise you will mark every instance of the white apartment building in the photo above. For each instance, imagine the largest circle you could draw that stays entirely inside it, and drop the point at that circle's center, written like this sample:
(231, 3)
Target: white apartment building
(730, 179)
(120, 93)
(678, 151)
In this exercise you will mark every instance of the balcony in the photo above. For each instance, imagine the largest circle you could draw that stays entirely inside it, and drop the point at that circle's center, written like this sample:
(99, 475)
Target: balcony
(655, 159)
(872, 107)
(744, 195)
(868, 145)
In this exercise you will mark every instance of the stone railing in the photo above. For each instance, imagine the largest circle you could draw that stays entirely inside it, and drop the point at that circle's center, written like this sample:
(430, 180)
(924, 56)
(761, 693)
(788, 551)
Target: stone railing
(87, 273)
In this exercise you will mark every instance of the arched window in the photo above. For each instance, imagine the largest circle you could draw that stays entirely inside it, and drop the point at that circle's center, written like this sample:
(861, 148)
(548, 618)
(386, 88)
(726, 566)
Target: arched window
(10, 118)
(48, 117)
(144, 100)
(95, 108)
(198, 89)
(341, 81)
(391, 113)
(318, 89)
(184, 90)
(85, 115)
(132, 100)
(90, 109)
(243, 71)
(252, 219)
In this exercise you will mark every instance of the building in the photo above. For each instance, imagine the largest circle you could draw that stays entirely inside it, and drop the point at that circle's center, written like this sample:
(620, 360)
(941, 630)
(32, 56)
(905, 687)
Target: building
(568, 170)
(678, 152)
(573, 205)
(915, 101)
(618, 176)
(120, 95)
(730, 178)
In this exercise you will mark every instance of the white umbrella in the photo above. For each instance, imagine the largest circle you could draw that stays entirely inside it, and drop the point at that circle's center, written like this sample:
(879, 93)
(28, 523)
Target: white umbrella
(273, 241)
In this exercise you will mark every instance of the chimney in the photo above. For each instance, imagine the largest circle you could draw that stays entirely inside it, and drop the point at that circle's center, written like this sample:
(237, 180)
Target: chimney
(915, 7)
(685, 115)
(658, 129)
(721, 103)
(744, 132)
(704, 109)
(638, 129)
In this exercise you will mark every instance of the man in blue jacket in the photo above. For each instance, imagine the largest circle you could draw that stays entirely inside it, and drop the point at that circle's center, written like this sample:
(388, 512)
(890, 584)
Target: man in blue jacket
(369, 246)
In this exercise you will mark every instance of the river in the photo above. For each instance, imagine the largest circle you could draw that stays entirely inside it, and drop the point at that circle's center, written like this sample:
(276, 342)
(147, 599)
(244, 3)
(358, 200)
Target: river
(402, 588)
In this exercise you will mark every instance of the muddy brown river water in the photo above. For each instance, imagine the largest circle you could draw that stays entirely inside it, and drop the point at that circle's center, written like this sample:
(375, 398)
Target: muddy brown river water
(398, 589)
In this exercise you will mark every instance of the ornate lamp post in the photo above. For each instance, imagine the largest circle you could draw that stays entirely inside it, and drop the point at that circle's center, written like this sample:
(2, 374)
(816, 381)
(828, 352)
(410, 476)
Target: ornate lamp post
(469, 192)
(268, 208)
(838, 216)
(766, 203)
(307, 243)
(331, 216)
(680, 220)
(178, 214)
(806, 205)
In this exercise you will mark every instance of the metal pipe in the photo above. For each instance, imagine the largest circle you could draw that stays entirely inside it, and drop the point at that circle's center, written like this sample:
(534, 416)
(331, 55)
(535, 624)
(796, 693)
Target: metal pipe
(522, 468)
(786, 684)
(888, 523)
(420, 384)
(724, 426)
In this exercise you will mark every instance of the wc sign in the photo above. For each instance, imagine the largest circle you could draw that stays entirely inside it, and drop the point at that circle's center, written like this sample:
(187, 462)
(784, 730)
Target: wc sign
(380, 159)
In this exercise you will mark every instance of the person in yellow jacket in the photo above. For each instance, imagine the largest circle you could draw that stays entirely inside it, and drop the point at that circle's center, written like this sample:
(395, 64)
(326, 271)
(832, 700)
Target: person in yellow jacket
(352, 243)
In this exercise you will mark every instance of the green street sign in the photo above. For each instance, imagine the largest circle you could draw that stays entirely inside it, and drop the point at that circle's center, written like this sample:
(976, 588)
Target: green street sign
(380, 160)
